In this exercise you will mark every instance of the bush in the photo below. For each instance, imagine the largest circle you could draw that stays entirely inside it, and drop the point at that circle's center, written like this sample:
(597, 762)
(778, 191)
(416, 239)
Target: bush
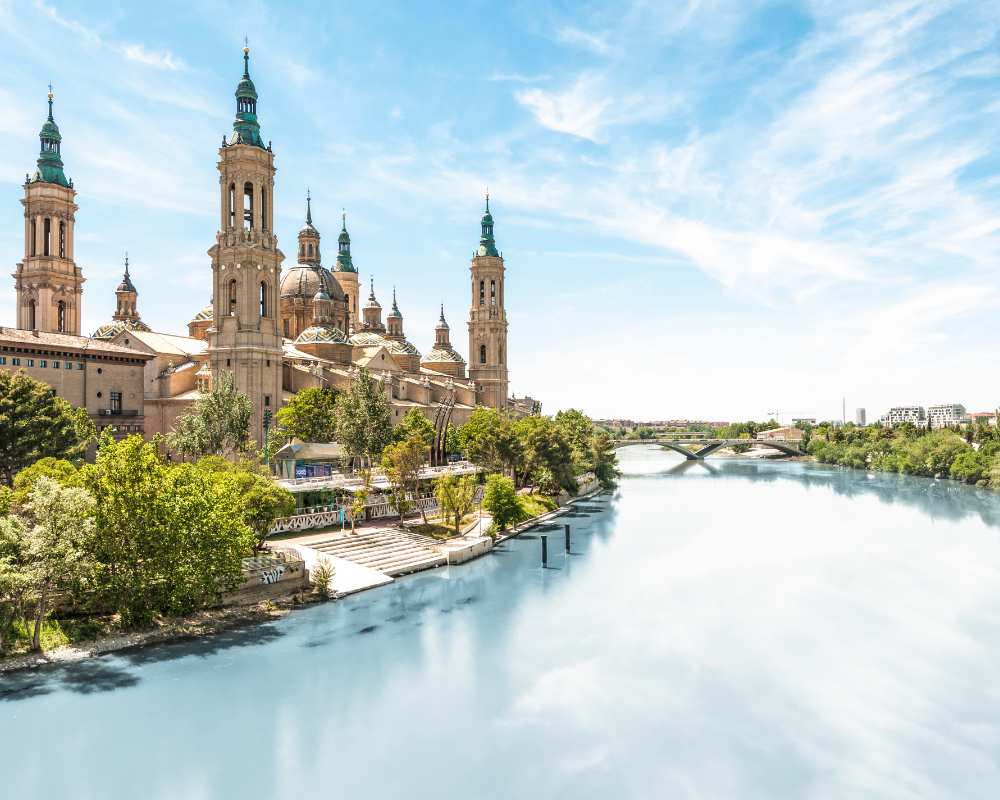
(970, 467)
(322, 577)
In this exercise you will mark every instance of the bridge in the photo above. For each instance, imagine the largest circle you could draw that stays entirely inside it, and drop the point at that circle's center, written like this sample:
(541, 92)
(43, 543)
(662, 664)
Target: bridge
(696, 446)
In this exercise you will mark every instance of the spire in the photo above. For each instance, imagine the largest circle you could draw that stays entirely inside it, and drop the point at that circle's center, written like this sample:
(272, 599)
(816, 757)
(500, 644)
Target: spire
(126, 263)
(395, 308)
(309, 212)
(50, 165)
(246, 129)
(442, 314)
(487, 246)
(371, 294)
(344, 262)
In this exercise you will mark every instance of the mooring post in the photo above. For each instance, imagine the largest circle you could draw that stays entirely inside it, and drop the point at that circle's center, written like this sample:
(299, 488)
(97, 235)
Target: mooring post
(567, 537)
(545, 551)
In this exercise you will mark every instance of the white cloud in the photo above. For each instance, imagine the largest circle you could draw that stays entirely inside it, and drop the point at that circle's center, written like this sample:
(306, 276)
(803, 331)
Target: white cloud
(578, 111)
(583, 39)
(160, 60)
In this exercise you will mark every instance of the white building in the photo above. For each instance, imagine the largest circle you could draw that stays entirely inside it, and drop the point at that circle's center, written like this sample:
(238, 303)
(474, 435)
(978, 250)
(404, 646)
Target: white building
(900, 414)
(948, 414)
(860, 417)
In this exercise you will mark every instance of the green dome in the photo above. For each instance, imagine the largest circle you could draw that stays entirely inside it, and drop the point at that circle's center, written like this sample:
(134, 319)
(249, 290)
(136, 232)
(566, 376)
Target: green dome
(246, 129)
(344, 262)
(321, 334)
(50, 165)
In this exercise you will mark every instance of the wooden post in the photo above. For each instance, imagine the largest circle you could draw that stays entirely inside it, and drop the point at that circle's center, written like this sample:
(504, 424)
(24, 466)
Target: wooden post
(545, 551)
(567, 537)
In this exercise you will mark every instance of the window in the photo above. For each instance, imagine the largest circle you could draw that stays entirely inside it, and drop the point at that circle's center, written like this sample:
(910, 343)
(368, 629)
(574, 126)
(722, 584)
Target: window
(263, 300)
(263, 208)
(62, 239)
(493, 293)
(43, 363)
(482, 354)
(31, 315)
(248, 206)
(31, 362)
(232, 298)
(232, 205)
(267, 400)
(309, 250)
(62, 317)
(46, 235)
(482, 293)
(68, 365)
(55, 365)
(80, 365)
(3, 360)
(34, 237)
(229, 362)
(116, 402)
(15, 361)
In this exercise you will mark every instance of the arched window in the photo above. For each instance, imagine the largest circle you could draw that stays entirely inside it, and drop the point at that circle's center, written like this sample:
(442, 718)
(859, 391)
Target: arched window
(31, 315)
(232, 205)
(232, 298)
(62, 239)
(263, 299)
(310, 249)
(263, 208)
(62, 317)
(34, 237)
(482, 293)
(482, 354)
(46, 235)
(493, 293)
(248, 206)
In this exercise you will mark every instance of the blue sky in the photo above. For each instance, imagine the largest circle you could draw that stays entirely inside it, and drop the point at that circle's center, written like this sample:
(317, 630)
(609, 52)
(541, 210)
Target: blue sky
(707, 209)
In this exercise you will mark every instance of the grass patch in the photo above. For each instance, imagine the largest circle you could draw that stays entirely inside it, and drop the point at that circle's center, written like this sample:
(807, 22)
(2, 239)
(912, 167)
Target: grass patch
(534, 505)
(440, 530)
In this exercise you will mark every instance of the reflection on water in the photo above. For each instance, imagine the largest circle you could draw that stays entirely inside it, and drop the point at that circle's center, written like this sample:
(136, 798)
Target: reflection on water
(731, 629)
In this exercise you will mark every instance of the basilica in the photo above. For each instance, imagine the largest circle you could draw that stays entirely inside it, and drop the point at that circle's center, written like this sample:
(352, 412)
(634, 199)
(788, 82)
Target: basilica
(276, 328)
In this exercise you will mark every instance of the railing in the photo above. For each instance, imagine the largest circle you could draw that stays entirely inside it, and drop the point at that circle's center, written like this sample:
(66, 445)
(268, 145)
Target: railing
(121, 412)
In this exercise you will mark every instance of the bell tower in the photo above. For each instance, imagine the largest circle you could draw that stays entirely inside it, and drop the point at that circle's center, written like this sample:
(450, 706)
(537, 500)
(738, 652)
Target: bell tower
(488, 320)
(246, 265)
(48, 282)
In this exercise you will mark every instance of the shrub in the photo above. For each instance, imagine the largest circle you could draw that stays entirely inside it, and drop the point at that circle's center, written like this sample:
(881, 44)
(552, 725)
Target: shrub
(500, 500)
(322, 577)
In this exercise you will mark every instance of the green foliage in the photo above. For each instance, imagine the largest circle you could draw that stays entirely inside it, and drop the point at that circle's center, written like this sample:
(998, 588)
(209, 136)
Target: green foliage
(456, 497)
(488, 439)
(218, 424)
(534, 505)
(970, 466)
(35, 423)
(604, 460)
(500, 500)
(15, 578)
(546, 455)
(363, 420)
(59, 469)
(402, 463)
(58, 553)
(578, 431)
(414, 424)
(262, 501)
(322, 577)
(452, 443)
(310, 415)
(168, 538)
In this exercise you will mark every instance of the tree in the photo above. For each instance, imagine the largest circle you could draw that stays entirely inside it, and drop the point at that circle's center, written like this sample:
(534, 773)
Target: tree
(543, 447)
(402, 463)
(15, 578)
(310, 415)
(456, 497)
(168, 538)
(364, 423)
(218, 424)
(578, 430)
(262, 500)
(59, 469)
(414, 423)
(604, 460)
(35, 423)
(59, 543)
(500, 500)
(970, 466)
(488, 439)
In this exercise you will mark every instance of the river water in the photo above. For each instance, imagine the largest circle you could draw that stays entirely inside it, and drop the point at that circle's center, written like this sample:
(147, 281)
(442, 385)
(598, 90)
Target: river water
(733, 629)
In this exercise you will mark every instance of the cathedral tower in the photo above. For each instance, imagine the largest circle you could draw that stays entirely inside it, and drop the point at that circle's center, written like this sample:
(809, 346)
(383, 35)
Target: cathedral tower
(246, 265)
(346, 274)
(48, 282)
(488, 320)
(127, 299)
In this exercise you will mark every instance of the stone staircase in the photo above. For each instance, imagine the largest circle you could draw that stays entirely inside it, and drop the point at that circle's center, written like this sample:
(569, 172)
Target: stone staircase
(390, 552)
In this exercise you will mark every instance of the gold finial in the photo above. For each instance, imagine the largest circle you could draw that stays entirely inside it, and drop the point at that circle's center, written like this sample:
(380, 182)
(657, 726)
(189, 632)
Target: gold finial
(50, 92)
(246, 45)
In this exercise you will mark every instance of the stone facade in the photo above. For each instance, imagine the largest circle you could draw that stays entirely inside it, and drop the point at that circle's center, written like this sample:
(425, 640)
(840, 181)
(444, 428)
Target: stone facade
(488, 321)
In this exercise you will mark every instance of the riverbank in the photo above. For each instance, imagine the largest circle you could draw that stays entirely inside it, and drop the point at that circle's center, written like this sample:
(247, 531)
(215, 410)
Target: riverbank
(214, 621)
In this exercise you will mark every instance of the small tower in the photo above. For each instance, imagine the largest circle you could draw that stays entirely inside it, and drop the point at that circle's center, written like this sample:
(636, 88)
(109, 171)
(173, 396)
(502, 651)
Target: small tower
(346, 274)
(443, 357)
(48, 282)
(309, 238)
(244, 338)
(373, 313)
(394, 321)
(488, 320)
(127, 297)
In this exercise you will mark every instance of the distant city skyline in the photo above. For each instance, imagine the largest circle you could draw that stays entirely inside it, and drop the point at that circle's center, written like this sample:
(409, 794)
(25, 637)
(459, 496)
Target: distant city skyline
(726, 207)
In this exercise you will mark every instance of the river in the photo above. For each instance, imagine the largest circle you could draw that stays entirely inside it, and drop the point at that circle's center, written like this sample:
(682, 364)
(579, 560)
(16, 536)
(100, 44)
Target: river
(733, 629)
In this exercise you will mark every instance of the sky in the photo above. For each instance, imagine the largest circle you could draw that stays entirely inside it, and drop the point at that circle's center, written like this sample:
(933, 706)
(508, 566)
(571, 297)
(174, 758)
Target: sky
(707, 209)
